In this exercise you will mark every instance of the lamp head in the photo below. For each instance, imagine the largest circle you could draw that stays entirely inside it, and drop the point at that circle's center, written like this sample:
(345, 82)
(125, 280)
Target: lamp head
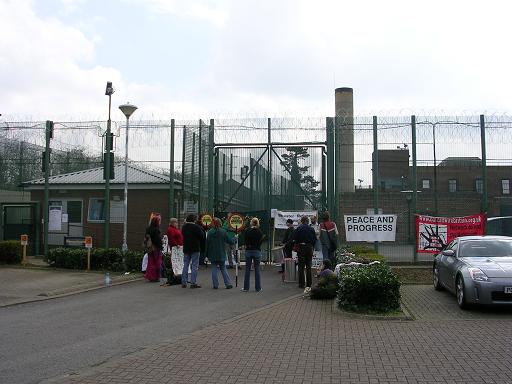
(127, 109)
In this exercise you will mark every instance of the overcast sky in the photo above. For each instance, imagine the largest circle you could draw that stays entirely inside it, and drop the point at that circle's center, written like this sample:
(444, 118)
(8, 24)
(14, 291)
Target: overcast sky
(219, 58)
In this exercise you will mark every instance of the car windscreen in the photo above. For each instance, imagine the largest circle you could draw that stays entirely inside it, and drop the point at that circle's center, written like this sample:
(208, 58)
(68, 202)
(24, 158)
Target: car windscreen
(486, 248)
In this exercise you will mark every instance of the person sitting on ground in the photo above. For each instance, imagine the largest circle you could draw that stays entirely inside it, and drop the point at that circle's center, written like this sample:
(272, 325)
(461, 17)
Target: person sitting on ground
(327, 285)
(216, 239)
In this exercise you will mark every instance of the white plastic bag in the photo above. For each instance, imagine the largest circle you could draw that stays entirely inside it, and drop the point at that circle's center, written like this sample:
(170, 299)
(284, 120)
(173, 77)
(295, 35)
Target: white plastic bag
(144, 262)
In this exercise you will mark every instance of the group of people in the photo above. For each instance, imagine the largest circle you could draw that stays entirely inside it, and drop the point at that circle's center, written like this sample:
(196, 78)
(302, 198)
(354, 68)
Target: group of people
(196, 242)
(306, 238)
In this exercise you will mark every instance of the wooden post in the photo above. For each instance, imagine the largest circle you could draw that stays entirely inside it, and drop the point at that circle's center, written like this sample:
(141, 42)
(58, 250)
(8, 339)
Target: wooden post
(88, 245)
(24, 242)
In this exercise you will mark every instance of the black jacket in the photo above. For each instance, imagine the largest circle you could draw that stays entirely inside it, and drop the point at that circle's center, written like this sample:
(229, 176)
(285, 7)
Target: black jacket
(253, 239)
(193, 238)
(304, 234)
(153, 237)
(288, 238)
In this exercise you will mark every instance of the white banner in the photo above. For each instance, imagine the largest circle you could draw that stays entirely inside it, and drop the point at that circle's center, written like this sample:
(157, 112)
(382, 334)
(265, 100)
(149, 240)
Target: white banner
(55, 218)
(280, 217)
(317, 259)
(177, 260)
(370, 227)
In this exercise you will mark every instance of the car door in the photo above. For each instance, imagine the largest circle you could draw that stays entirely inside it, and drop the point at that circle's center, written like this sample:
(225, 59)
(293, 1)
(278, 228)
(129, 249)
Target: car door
(446, 265)
(452, 264)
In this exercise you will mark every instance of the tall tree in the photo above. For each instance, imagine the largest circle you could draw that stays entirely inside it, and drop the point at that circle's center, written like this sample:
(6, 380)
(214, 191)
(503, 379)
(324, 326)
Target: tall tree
(293, 161)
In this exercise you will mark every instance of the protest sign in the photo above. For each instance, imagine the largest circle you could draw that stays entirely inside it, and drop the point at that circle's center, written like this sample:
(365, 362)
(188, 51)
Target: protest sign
(434, 233)
(280, 217)
(370, 227)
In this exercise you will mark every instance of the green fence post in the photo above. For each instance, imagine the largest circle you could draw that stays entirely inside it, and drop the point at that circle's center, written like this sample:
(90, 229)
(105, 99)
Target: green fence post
(46, 185)
(171, 171)
(201, 170)
(211, 173)
(331, 193)
(269, 187)
(375, 172)
(485, 202)
(414, 184)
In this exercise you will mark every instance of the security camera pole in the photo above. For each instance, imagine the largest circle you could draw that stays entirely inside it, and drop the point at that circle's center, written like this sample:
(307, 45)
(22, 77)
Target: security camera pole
(107, 166)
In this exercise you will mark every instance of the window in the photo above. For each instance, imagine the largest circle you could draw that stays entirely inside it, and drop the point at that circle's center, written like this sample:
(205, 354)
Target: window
(425, 183)
(452, 185)
(74, 211)
(96, 210)
(479, 186)
(505, 187)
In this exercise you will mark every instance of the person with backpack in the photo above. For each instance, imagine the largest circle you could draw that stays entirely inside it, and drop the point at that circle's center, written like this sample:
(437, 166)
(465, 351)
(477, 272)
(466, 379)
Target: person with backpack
(329, 238)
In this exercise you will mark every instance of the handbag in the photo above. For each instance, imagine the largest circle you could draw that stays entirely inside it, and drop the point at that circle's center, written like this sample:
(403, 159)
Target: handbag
(144, 262)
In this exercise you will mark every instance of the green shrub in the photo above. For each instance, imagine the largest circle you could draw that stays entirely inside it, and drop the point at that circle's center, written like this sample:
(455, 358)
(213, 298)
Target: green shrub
(70, 258)
(10, 252)
(109, 259)
(369, 289)
(133, 260)
(326, 288)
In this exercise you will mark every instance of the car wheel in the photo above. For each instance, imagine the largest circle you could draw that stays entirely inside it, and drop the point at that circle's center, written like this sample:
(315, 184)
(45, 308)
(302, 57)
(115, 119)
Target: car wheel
(461, 296)
(437, 283)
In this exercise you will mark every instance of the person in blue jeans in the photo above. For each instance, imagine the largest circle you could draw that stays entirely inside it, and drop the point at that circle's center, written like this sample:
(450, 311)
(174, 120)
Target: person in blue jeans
(253, 239)
(193, 245)
(216, 239)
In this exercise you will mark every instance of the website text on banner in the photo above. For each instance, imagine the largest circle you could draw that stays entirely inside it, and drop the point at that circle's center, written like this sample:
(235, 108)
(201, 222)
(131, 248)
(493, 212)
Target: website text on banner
(435, 233)
(370, 227)
(280, 217)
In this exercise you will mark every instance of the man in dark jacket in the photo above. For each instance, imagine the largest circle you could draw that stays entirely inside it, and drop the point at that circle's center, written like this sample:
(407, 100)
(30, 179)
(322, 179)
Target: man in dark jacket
(287, 242)
(304, 239)
(193, 244)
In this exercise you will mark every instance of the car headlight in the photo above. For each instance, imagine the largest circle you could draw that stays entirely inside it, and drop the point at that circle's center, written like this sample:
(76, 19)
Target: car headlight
(477, 274)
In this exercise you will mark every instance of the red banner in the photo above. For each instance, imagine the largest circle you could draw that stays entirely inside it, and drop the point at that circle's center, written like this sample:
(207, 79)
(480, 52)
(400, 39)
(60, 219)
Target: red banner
(435, 233)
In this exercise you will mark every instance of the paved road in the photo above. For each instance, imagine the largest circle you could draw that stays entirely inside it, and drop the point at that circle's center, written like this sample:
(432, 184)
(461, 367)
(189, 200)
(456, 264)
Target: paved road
(305, 341)
(50, 338)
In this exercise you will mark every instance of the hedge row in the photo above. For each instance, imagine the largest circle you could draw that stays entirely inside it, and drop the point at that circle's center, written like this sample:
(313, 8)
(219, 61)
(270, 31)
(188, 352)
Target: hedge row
(10, 252)
(109, 259)
(369, 289)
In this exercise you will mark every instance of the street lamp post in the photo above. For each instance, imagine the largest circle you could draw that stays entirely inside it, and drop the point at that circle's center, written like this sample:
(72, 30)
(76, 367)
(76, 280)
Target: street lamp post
(127, 110)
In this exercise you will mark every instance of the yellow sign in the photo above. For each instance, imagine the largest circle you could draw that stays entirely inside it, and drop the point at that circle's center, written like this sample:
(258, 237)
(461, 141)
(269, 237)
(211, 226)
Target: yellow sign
(236, 221)
(88, 241)
(206, 220)
(24, 239)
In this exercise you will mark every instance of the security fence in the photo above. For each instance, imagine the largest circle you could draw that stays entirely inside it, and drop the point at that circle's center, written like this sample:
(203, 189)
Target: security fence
(434, 165)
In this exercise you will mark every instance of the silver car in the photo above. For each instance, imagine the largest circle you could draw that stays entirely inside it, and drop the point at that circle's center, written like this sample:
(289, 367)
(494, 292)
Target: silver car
(478, 269)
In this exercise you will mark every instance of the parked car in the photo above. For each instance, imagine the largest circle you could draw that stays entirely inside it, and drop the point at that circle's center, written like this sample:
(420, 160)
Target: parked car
(477, 269)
